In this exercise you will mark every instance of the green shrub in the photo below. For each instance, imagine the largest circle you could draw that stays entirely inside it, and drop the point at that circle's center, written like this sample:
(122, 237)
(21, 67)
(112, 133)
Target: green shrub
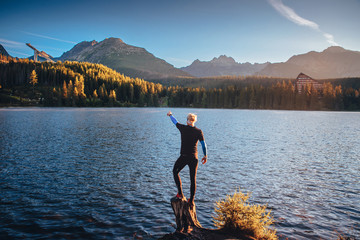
(235, 213)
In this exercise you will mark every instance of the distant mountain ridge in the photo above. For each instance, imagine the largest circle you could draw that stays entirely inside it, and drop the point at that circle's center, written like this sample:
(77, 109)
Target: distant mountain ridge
(222, 66)
(129, 60)
(3, 51)
(333, 62)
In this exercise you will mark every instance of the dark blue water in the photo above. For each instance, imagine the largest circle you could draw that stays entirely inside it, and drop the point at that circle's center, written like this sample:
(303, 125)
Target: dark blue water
(107, 173)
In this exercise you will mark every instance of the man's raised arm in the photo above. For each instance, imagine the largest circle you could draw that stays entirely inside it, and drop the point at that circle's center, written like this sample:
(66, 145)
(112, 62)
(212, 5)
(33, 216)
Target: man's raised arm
(173, 119)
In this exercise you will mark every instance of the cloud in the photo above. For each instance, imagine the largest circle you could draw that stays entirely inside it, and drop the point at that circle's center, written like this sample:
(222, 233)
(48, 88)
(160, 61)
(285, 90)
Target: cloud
(9, 43)
(16, 52)
(47, 37)
(290, 14)
(330, 39)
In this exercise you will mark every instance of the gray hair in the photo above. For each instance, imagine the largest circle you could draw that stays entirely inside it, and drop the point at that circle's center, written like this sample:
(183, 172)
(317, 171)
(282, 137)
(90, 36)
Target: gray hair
(192, 117)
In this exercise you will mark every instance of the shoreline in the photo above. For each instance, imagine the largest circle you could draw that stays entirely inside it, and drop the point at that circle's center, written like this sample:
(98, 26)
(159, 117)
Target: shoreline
(113, 107)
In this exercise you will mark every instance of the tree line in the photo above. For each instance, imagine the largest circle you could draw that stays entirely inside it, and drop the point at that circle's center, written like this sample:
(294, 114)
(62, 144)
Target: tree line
(25, 82)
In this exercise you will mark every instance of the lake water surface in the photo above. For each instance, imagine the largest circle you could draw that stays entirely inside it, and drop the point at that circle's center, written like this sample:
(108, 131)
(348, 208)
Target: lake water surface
(106, 173)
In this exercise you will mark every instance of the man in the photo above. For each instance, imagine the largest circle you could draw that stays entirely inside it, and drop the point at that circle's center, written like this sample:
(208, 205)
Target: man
(190, 135)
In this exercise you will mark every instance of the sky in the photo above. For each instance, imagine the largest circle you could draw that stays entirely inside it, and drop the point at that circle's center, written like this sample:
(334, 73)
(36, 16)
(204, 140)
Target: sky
(181, 31)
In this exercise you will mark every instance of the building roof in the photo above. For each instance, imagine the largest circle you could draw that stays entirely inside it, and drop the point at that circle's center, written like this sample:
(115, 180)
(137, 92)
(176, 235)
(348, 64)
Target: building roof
(303, 76)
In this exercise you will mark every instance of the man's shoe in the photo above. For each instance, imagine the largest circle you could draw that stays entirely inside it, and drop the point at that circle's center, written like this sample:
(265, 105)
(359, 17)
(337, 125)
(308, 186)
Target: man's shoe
(179, 196)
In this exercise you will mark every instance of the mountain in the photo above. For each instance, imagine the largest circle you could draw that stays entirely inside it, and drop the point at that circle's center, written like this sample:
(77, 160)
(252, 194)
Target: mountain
(77, 49)
(129, 60)
(222, 66)
(333, 62)
(3, 51)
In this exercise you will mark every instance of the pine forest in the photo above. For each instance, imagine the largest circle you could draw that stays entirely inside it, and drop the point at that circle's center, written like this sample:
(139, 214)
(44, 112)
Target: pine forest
(24, 82)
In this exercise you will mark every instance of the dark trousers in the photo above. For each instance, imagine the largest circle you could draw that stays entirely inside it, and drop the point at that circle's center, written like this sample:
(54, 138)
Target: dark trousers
(192, 162)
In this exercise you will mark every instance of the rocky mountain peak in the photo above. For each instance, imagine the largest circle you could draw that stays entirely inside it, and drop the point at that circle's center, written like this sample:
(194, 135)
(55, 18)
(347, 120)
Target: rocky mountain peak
(77, 49)
(113, 40)
(3, 51)
(223, 59)
(127, 59)
(334, 49)
(221, 66)
(84, 44)
(333, 62)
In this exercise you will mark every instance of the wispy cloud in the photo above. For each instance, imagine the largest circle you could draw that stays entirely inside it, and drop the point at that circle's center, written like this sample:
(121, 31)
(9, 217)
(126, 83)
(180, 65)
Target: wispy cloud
(47, 37)
(10, 43)
(290, 14)
(330, 39)
(20, 53)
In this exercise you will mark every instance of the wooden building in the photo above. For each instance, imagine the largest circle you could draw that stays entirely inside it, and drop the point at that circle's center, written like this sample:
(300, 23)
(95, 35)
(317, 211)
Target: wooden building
(302, 80)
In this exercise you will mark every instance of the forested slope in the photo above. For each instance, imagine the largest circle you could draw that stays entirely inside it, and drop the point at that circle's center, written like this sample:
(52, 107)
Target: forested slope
(24, 82)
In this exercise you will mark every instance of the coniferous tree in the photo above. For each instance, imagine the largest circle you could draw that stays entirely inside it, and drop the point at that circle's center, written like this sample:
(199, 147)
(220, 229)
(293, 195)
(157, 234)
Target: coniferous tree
(88, 84)
(33, 80)
(95, 95)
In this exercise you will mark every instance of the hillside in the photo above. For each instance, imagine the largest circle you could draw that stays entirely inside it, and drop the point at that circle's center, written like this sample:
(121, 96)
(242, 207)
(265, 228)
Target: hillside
(95, 85)
(222, 66)
(71, 83)
(333, 62)
(3, 51)
(129, 60)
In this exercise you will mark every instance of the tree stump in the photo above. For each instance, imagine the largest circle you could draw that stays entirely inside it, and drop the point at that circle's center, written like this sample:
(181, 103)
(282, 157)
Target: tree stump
(185, 215)
(189, 228)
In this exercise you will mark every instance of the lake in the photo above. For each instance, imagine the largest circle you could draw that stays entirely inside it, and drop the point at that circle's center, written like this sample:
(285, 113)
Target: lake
(106, 173)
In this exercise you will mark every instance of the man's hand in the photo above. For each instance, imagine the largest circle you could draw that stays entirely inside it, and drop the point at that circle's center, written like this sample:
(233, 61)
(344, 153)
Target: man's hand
(204, 160)
(169, 113)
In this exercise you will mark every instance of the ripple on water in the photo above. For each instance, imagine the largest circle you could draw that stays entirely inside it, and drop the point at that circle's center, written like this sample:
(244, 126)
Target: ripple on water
(107, 173)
